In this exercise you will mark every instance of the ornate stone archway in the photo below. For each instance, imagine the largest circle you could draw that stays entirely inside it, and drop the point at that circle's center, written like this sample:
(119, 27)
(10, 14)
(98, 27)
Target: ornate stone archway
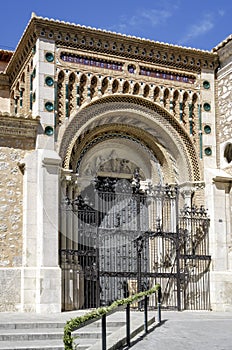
(139, 119)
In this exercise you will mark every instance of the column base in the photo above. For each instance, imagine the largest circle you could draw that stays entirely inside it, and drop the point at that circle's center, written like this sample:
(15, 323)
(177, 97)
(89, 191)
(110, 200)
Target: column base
(41, 290)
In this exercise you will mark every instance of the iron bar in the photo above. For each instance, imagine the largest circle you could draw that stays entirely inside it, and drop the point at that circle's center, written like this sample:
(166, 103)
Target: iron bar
(128, 324)
(159, 304)
(104, 332)
(145, 314)
(178, 247)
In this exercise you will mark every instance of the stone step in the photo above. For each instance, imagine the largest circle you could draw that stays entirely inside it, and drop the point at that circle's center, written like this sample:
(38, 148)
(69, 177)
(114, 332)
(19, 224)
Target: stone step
(89, 333)
(30, 334)
(41, 334)
(30, 325)
(47, 334)
(33, 325)
(51, 344)
(85, 343)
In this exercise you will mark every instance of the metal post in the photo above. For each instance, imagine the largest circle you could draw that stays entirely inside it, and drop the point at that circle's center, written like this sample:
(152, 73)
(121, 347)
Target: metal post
(128, 324)
(178, 277)
(139, 280)
(177, 242)
(159, 304)
(97, 220)
(104, 332)
(145, 314)
(139, 247)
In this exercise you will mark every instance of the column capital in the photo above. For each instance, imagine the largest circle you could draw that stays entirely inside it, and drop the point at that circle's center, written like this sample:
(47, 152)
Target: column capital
(223, 183)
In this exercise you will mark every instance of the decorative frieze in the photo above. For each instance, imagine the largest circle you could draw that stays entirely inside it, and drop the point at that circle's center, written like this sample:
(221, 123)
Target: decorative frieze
(117, 66)
(161, 74)
(72, 58)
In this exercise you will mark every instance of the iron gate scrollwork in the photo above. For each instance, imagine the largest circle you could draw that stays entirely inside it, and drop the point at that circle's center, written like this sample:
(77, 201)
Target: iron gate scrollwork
(125, 239)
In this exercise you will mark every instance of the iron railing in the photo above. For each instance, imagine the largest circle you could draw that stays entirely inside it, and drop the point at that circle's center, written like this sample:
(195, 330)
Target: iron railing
(141, 300)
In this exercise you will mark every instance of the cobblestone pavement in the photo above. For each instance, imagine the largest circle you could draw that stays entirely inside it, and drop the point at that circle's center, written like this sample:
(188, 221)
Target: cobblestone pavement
(190, 331)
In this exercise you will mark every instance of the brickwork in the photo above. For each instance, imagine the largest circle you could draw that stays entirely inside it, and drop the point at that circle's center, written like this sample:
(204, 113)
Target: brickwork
(156, 114)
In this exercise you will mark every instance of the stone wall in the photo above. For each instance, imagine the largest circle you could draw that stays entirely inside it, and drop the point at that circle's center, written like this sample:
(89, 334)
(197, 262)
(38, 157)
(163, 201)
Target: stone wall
(10, 291)
(4, 92)
(3, 66)
(225, 110)
(225, 104)
(224, 97)
(11, 207)
(11, 196)
(17, 139)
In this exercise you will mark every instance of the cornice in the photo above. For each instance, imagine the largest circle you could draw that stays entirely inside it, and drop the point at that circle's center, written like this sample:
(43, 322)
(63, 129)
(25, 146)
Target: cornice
(76, 36)
(105, 33)
(20, 127)
(223, 43)
(225, 53)
(224, 71)
(22, 51)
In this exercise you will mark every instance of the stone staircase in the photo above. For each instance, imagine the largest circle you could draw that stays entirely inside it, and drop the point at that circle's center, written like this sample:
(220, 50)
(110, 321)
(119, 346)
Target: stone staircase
(33, 333)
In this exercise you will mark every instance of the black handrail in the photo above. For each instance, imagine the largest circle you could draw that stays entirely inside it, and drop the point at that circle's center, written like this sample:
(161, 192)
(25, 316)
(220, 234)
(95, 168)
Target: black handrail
(102, 313)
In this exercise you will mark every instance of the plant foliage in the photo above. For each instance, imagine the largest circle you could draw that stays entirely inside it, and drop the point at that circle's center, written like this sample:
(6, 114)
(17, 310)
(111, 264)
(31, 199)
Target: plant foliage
(75, 323)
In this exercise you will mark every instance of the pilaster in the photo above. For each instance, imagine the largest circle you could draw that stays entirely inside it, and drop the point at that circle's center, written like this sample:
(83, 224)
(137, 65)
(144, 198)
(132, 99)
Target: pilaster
(220, 243)
(41, 277)
(44, 91)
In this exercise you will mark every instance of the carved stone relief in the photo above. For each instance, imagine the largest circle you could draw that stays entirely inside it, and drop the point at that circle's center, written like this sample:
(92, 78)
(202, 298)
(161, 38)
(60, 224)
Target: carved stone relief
(110, 164)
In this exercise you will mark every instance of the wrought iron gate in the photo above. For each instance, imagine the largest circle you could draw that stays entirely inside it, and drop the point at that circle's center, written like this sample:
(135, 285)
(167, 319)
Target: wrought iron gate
(120, 239)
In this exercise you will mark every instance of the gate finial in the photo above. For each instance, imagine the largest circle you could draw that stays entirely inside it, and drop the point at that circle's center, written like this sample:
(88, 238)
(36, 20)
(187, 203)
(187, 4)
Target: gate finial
(136, 181)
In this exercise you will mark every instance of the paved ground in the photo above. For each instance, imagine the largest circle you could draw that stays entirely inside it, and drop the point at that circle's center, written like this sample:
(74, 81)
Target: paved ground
(190, 331)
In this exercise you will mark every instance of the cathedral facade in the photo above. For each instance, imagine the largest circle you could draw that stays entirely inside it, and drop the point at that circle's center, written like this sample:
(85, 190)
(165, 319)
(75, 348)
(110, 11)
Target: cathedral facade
(83, 108)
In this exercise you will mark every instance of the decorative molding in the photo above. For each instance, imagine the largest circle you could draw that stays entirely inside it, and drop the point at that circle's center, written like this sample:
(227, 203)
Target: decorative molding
(18, 127)
(193, 185)
(111, 43)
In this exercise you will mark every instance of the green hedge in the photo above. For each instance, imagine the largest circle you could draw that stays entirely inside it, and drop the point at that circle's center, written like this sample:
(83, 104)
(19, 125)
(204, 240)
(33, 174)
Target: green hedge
(75, 323)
